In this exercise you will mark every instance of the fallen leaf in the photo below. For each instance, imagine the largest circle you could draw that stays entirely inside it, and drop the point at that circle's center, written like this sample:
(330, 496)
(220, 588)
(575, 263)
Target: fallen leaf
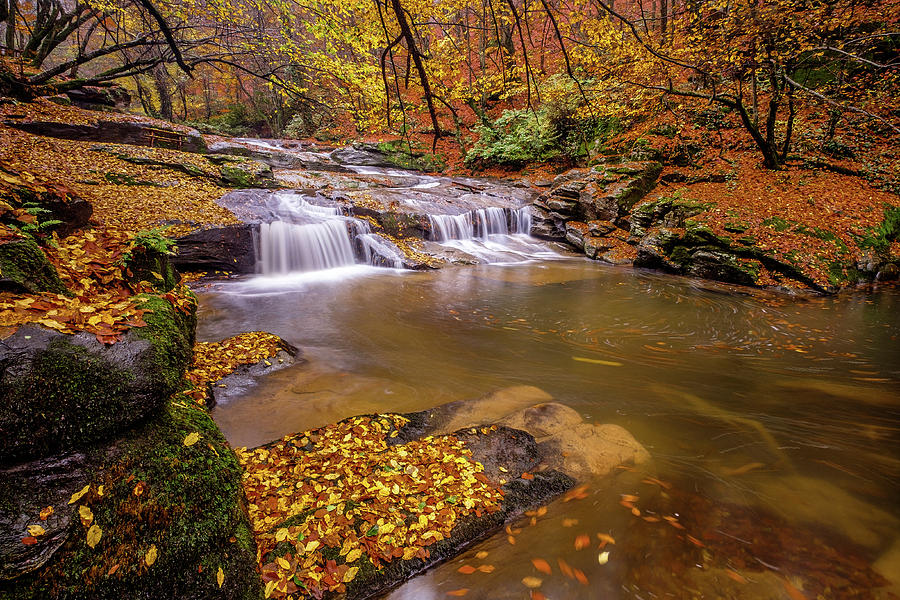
(353, 555)
(595, 361)
(45, 513)
(86, 514)
(532, 582)
(36, 530)
(569, 522)
(113, 569)
(735, 575)
(536, 595)
(605, 539)
(29, 541)
(792, 591)
(93, 535)
(466, 569)
(603, 558)
(486, 568)
(77, 495)
(350, 574)
(459, 593)
(191, 439)
(565, 568)
(220, 577)
(582, 541)
(270, 587)
(150, 556)
(511, 540)
(481, 555)
(580, 576)
(542, 565)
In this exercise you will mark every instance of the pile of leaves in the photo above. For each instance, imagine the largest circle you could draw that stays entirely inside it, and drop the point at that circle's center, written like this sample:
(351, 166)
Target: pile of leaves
(328, 503)
(214, 360)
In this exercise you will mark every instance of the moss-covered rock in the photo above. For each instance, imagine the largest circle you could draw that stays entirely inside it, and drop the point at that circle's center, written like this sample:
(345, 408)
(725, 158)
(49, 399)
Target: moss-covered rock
(154, 267)
(59, 392)
(247, 174)
(24, 268)
(183, 501)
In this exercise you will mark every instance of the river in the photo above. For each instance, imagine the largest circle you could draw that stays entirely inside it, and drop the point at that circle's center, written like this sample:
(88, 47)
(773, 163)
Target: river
(773, 422)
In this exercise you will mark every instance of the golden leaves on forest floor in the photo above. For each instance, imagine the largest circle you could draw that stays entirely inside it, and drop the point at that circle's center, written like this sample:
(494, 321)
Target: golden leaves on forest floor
(132, 197)
(214, 360)
(813, 219)
(331, 502)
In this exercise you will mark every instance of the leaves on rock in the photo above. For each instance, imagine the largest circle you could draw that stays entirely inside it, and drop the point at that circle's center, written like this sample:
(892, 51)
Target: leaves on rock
(327, 502)
(93, 535)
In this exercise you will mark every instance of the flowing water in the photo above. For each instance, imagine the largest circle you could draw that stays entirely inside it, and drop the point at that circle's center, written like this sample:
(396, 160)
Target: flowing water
(773, 423)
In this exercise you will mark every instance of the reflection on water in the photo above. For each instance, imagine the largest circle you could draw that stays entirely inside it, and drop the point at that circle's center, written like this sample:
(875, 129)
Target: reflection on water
(774, 422)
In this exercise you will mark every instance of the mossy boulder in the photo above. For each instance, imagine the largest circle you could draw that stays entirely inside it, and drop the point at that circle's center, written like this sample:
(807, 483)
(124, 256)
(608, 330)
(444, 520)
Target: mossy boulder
(183, 501)
(247, 174)
(60, 392)
(24, 268)
(154, 267)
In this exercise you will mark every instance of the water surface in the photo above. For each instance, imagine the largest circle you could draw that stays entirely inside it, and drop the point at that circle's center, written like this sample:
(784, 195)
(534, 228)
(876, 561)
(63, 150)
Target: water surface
(773, 422)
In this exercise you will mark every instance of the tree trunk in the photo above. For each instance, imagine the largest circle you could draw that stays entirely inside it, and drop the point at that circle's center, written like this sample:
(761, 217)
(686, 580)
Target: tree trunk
(12, 7)
(161, 82)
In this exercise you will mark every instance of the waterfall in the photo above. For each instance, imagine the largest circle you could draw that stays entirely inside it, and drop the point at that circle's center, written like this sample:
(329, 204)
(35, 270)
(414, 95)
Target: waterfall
(309, 237)
(480, 223)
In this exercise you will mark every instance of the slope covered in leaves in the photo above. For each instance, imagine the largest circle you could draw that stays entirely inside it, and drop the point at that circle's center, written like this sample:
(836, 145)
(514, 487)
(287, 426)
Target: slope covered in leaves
(329, 503)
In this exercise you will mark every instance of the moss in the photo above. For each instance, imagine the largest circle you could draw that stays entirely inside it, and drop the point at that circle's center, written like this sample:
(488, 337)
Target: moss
(146, 264)
(779, 224)
(68, 394)
(191, 508)
(24, 268)
(246, 174)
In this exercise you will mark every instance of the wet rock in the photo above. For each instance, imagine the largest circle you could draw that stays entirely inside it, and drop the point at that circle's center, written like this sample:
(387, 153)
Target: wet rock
(60, 392)
(116, 132)
(230, 249)
(191, 507)
(152, 266)
(566, 443)
(575, 232)
(245, 377)
(720, 266)
(28, 488)
(570, 445)
(276, 156)
(361, 155)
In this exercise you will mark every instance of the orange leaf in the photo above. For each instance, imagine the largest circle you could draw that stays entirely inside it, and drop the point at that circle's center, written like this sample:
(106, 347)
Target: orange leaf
(565, 568)
(582, 541)
(29, 541)
(580, 576)
(735, 575)
(695, 541)
(511, 540)
(536, 595)
(466, 569)
(459, 593)
(527, 475)
(605, 539)
(486, 568)
(542, 565)
(792, 591)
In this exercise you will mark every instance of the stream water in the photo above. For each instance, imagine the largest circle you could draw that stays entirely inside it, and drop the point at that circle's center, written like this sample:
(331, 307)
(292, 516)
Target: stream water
(773, 423)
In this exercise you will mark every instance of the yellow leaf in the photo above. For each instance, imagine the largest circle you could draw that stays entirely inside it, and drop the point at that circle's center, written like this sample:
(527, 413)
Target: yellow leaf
(281, 534)
(270, 587)
(350, 574)
(36, 530)
(220, 577)
(150, 557)
(87, 516)
(93, 535)
(312, 546)
(45, 514)
(603, 558)
(594, 361)
(191, 439)
(283, 563)
(77, 495)
(353, 555)
(532, 582)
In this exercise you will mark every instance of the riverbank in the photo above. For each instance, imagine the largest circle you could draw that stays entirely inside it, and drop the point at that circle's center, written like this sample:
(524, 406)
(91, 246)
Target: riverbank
(101, 373)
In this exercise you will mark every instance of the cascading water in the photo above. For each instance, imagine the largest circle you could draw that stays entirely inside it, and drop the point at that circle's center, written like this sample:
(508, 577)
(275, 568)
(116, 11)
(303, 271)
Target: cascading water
(308, 237)
(492, 235)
